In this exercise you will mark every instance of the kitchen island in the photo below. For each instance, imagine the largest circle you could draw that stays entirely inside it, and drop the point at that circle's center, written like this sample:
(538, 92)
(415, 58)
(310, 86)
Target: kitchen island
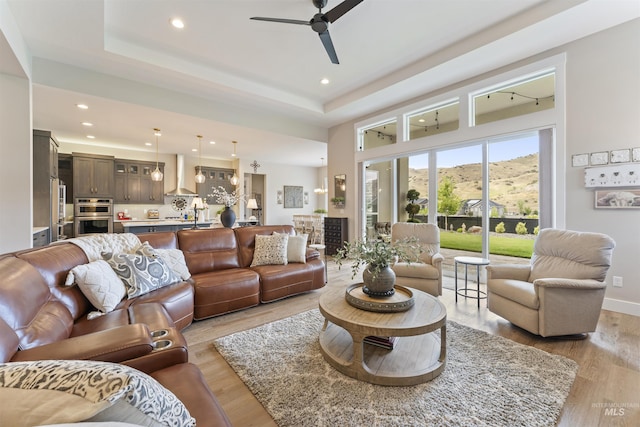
(156, 225)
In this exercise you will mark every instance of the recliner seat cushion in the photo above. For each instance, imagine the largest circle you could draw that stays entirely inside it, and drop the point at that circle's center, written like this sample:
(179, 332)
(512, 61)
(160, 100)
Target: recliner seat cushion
(416, 270)
(515, 290)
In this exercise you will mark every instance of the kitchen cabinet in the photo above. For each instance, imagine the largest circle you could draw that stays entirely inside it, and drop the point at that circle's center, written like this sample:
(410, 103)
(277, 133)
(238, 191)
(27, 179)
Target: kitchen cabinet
(335, 234)
(93, 175)
(216, 177)
(45, 183)
(41, 238)
(133, 183)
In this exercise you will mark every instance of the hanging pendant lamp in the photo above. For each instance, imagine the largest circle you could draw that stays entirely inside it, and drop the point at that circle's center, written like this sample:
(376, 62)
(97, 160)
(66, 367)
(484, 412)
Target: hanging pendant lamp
(200, 178)
(234, 180)
(157, 175)
(322, 189)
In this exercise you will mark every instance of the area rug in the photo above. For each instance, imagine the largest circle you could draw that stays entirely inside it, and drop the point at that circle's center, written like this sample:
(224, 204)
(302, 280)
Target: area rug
(488, 381)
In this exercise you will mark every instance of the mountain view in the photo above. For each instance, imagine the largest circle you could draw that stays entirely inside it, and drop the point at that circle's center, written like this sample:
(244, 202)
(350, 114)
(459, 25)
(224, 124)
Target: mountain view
(511, 181)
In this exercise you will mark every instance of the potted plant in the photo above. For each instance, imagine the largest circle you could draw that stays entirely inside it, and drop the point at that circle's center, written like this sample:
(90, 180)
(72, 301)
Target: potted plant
(338, 201)
(227, 216)
(377, 256)
(412, 208)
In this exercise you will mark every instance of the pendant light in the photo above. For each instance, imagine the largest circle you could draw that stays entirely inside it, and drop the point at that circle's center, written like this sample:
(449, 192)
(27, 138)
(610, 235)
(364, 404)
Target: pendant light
(157, 175)
(322, 189)
(234, 180)
(200, 178)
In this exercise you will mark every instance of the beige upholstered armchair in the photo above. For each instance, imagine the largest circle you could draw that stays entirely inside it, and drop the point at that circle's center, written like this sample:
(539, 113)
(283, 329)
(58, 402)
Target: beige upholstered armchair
(561, 291)
(426, 273)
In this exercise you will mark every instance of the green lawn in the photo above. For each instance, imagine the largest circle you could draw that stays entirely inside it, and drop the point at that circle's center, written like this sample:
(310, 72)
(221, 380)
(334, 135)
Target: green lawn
(510, 246)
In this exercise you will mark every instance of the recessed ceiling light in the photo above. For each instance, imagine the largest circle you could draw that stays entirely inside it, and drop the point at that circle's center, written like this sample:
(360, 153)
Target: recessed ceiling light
(148, 144)
(91, 137)
(325, 81)
(194, 149)
(87, 124)
(212, 142)
(82, 106)
(177, 23)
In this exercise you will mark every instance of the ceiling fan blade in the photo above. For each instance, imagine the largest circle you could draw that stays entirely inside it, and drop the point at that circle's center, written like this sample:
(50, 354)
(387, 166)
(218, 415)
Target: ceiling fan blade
(341, 9)
(328, 45)
(285, 21)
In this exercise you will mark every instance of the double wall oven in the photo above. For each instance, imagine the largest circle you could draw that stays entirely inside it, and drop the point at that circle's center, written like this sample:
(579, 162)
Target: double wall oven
(93, 216)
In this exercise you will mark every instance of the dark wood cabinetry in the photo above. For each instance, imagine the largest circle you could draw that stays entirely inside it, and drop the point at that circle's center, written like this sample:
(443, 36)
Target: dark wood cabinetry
(93, 175)
(216, 177)
(335, 234)
(45, 185)
(133, 183)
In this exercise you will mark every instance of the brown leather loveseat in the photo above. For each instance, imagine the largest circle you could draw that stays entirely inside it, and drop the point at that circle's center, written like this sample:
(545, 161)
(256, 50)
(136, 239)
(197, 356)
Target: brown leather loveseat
(41, 318)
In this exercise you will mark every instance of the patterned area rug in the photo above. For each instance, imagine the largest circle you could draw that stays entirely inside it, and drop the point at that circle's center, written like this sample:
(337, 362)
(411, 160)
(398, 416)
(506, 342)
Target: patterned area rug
(488, 381)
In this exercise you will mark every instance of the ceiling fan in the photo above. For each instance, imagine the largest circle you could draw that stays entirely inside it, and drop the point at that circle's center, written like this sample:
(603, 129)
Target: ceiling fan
(320, 22)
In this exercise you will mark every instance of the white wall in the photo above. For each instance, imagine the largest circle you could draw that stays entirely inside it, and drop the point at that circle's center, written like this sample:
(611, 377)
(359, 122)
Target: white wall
(602, 114)
(276, 177)
(16, 162)
(16, 158)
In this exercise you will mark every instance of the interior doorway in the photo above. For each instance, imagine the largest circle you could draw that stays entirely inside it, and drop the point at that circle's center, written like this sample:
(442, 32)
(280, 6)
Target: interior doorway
(254, 188)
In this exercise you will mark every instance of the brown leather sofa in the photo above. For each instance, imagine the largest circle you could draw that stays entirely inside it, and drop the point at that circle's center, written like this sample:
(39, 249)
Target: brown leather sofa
(40, 318)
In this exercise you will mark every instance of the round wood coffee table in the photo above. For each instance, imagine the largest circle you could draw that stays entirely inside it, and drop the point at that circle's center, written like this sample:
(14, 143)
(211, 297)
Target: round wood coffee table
(418, 355)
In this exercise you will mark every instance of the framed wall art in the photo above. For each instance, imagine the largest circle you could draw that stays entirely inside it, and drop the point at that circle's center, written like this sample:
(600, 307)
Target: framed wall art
(580, 160)
(293, 196)
(620, 156)
(600, 158)
(623, 199)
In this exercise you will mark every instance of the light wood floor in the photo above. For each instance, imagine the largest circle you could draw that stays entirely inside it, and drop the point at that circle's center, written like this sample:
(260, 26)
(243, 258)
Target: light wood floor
(607, 384)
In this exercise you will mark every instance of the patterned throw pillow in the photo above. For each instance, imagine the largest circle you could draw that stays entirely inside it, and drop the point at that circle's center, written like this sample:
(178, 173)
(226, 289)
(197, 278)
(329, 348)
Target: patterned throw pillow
(67, 391)
(270, 250)
(297, 248)
(141, 274)
(99, 284)
(174, 258)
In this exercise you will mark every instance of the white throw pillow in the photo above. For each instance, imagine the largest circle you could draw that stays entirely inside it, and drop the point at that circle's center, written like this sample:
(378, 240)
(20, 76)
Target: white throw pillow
(65, 391)
(270, 250)
(99, 284)
(297, 248)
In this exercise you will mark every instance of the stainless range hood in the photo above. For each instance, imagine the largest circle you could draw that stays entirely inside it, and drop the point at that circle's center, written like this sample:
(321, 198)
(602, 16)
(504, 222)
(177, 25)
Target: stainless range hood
(180, 190)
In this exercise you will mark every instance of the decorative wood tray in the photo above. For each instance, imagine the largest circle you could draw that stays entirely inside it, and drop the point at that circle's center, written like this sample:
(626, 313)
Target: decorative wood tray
(401, 300)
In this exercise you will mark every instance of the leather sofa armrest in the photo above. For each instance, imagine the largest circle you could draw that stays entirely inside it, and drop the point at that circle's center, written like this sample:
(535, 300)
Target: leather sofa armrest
(312, 254)
(509, 271)
(555, 282)
(111, 345)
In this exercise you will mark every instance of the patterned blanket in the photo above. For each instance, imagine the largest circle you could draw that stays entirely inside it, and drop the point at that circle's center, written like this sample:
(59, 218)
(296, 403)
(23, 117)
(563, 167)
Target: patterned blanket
(94, 245)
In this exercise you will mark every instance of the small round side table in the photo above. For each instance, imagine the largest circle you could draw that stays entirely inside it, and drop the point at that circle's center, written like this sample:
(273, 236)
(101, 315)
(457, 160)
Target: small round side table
(322, 250)
(467, 261)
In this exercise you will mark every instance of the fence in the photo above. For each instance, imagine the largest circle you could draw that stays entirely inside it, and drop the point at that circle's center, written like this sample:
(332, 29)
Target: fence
(470, 221)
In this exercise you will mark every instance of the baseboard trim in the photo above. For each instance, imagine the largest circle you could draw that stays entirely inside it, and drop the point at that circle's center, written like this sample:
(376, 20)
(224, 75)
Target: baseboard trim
(620, 306)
